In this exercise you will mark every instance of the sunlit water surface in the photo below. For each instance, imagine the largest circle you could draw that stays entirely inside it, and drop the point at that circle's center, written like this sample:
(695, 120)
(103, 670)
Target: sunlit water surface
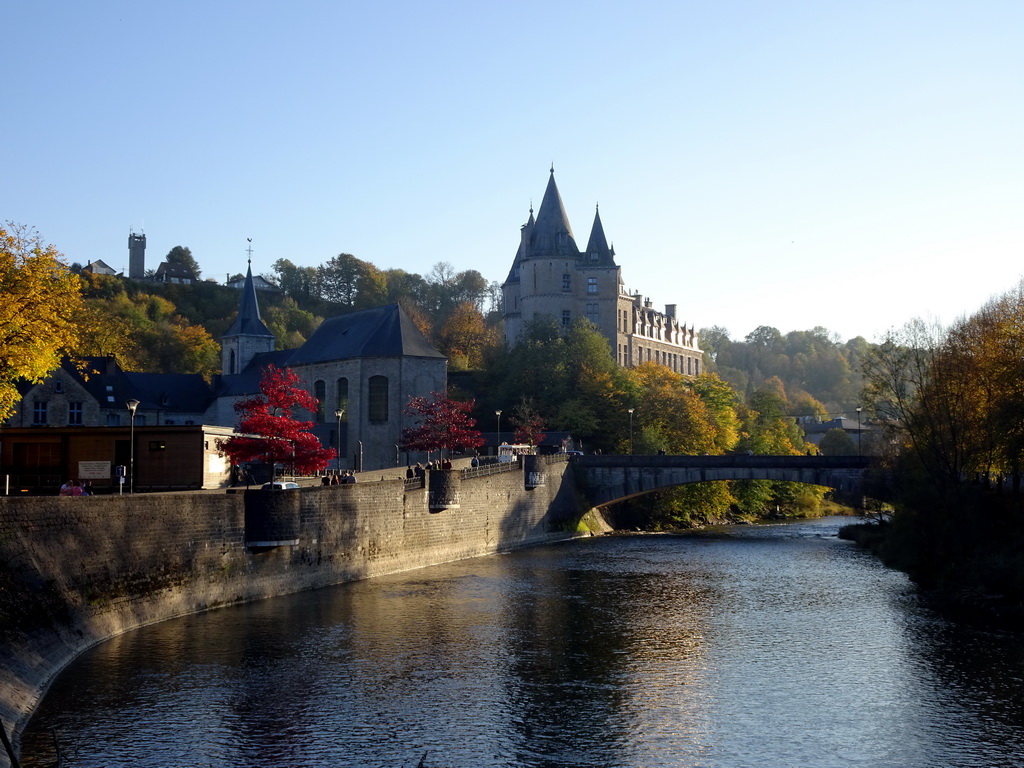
(759, 646)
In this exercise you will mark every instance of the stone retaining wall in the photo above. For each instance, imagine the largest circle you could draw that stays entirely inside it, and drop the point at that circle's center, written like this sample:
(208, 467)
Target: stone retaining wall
(77, 571)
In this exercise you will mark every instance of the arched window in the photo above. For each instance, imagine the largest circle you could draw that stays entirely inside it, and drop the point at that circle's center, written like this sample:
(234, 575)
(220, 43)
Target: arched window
(320, 393)
(342, 401)
(378, 399)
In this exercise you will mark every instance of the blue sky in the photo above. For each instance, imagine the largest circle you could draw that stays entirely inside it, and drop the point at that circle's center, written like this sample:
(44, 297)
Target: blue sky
(794, 164)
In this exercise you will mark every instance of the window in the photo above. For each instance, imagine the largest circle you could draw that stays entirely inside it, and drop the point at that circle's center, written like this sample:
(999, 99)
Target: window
(320, 393)
(593, 256)
(74, 414)
(592, 314)
(58, 386)
(591, 285)
(113, 420)
(342, 387)
(566, 318)
(378, 399)
(39, 412)
(566, 282)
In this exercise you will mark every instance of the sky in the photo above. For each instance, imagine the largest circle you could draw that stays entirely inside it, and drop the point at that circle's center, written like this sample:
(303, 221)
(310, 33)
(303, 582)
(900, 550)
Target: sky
(791, 164)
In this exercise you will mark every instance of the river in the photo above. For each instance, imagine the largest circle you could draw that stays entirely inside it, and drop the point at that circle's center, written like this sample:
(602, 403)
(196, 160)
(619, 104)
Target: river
(775, 645)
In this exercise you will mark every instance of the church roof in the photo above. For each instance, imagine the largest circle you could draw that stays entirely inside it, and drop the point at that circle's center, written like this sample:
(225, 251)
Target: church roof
(379, 332)
(248, 322)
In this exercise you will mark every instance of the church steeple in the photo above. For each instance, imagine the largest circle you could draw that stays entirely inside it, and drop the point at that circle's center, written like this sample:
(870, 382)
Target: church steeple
(247, 336)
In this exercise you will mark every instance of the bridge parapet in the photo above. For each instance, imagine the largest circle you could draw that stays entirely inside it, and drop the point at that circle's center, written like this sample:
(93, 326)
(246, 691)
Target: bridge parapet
(607, 479)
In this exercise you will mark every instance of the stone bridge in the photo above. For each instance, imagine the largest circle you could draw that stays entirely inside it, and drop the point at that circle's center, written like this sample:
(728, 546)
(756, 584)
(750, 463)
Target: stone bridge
(607, 479)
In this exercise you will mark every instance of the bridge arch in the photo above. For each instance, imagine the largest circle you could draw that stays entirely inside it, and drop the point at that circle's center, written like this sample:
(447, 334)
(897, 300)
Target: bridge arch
(609, 479)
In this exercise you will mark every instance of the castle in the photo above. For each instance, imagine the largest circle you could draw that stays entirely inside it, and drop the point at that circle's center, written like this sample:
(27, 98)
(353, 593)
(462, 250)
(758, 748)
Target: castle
(551, 277)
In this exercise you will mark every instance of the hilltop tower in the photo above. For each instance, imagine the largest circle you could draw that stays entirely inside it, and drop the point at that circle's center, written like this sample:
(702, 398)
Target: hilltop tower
(136, 255)
(551, 277)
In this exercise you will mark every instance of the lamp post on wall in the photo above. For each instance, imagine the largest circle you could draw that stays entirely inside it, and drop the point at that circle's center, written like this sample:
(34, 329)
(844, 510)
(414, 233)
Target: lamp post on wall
(631, 431)
(497, 438)
(859, 409)
(132, 404)
(339, 414)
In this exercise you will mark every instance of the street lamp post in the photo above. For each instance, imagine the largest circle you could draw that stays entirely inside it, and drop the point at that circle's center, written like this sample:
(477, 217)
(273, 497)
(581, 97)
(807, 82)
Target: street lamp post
(631, 431)
(858, 431)
(132, 404)
(497, 437)
(339, 414)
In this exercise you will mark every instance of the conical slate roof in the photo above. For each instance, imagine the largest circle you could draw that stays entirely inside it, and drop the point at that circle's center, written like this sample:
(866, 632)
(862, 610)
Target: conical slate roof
(552, 235)
(248, 322)
(599, 244)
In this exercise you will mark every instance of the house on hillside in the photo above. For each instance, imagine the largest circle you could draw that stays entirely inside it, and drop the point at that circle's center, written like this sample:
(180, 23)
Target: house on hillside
(174, 273)
(99, 267)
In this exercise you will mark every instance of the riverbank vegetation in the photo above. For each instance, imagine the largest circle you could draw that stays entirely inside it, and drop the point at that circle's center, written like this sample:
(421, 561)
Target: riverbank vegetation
(952, 405)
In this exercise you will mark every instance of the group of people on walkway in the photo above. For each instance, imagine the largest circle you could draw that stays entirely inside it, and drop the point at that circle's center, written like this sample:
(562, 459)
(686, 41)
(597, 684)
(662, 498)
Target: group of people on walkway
(338, 477)
(76, 488)
(421, 469)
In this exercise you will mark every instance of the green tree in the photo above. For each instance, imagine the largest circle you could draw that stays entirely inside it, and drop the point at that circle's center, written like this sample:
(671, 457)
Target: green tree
(836, 442)
(181, 256)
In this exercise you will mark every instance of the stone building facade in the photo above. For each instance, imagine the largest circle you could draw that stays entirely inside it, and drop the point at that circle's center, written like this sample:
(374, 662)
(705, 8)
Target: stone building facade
(551, 277)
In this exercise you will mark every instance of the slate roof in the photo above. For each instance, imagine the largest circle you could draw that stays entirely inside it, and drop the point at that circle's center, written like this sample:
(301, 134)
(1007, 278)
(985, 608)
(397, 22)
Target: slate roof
(599, 244)
(379, 332)
(112, 387)
(552, 235)
(248, 322)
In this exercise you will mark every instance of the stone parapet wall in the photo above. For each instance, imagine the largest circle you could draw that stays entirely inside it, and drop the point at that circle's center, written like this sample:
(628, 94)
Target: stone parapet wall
(77, 571)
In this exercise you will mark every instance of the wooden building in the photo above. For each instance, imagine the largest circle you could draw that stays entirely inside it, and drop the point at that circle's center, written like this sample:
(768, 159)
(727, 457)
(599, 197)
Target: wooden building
(166, 457)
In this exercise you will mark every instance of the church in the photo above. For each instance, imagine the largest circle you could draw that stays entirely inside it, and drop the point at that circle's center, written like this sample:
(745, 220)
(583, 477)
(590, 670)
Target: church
(552, 278)
(362, 367)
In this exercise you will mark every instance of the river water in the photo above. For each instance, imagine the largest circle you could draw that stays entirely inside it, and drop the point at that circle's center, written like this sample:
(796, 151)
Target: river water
(773, 645)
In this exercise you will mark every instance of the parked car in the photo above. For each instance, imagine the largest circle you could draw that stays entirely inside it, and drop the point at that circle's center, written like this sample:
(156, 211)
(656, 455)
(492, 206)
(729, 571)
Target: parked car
(280, 486)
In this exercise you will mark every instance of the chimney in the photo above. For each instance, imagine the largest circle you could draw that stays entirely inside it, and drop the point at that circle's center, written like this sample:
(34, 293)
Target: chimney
(670, 311)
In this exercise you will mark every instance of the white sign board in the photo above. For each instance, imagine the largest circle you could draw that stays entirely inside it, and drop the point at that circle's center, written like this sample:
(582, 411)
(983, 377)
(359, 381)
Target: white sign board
(93, 470)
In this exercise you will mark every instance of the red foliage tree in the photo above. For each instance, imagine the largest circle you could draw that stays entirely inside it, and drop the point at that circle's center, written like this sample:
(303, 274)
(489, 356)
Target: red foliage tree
(270, 433)
(442, 424)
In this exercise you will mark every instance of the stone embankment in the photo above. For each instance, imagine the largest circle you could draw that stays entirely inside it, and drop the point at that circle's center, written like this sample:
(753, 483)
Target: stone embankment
(77, 571)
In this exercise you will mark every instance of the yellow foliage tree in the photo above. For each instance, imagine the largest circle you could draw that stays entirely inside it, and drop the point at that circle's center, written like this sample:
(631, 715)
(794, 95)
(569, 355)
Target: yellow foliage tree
(40, 311)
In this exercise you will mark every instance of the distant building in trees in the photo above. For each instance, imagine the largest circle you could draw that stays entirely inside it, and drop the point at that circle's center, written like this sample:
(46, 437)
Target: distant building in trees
(99, 267)
(551, 277)
(174, 273)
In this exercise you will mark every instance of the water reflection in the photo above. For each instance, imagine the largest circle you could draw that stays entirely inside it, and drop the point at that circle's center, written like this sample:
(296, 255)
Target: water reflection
(767, 646)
